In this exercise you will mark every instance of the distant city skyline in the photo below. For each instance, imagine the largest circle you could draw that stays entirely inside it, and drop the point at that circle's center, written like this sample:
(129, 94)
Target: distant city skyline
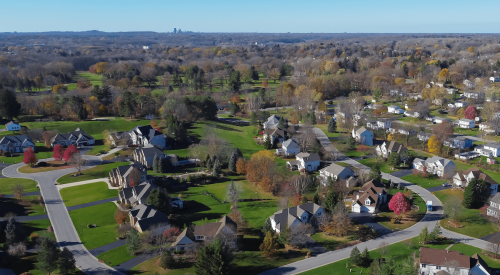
(293, 16)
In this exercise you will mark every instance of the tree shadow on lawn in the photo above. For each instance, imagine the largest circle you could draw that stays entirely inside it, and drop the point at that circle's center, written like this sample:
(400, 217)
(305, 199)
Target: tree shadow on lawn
(192, 212)
(475, 219)
(12, 205)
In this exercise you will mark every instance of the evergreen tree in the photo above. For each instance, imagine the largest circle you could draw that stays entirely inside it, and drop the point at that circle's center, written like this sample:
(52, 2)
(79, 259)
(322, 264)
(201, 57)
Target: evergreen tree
(235, 80)
(267, 227)
(299, 116)
(160, 200)
(281, 123)
(375, 173)
(332, 126)
(167, 261)
(312, 118)
(213, 259)
(355, 257)
(375, 267)
(13, 232)
(423, 237)
(269, 246)
(434, 235)
(253, 119)
(351, 143)
(316, 198)
(209, 163)
(66, 262)
(268, 144)
(365, 257)
(156, 164)
(331, 200)
(475, 194)
(285, 124)
(232, 163)
(285, 235)
(9, 106)
(133, 241)
(217, 168)
(393, 159)
(165, 165)
(48, 256)
(238, 153)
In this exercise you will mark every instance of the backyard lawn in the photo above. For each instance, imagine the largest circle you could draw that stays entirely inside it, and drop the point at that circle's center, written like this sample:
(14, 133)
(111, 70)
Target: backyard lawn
(468, 132)
(6, 185)
(332, 242)
(116, 256)
(98, 172)
(87, 193)
(102, 216)
(471, 250)
(432, 181)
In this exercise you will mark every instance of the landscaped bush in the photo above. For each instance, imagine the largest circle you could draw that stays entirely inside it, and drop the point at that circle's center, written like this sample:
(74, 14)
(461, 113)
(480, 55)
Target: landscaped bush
(42, 164)
(6, 154)
(34, 236)
(102, 152)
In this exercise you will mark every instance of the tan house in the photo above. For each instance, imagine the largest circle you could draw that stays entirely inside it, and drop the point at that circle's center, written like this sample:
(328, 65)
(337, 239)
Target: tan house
(462, 179)
(146, 155)
(144, 217)
(368, 198)
(225, 229)
(121, 175)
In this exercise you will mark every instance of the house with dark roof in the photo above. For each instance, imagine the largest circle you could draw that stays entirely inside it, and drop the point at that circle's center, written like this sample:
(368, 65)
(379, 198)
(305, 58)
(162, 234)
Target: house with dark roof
(225, 229)
(436, 165)
(440, 261)
(307, 161)
(77, 137)
(288, 148)
(368, 198)
(146, 135)
(135, 195)
(144, 217)
(458, 142)
(120, 175)
(16, 144)
(462, 179)
(494, 208)
(305, 213)
(389, 147)
(13, 126)
(336, 172)
(277, 135)
(145, 155)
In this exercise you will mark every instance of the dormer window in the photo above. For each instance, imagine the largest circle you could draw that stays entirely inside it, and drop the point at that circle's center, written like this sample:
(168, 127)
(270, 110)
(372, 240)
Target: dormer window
(367, 202)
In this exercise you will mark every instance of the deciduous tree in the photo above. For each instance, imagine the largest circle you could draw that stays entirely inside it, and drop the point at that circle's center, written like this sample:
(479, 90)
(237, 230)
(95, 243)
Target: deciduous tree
(29, 157)
(399, 204)
(70, 151)
(433, 145)
(470, 112)
(58, 152)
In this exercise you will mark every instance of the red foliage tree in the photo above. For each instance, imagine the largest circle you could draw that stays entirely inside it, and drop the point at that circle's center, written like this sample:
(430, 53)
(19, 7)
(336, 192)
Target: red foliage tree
(70, 152)
(363, 148)
(134, 177)
(399, 204)
(58, 152)
(470, 112)
(121, 216)
(29, 157)
(171, 233)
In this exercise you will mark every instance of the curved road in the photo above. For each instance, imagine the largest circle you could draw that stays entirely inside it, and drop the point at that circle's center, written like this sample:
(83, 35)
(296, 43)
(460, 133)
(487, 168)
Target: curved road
(429, 220)
(59, 218)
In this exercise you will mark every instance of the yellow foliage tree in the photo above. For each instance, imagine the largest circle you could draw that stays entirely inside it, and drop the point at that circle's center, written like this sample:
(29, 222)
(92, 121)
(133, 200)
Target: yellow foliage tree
(433, 145)
(390, 137)
(460, 113)
(443, 75)
(470, 49)
(399, 80)
(59, 88)
(101, 67)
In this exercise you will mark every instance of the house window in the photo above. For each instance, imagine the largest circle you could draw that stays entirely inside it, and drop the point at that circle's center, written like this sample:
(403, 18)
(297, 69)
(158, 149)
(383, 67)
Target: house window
(367, 202)
(424, 265)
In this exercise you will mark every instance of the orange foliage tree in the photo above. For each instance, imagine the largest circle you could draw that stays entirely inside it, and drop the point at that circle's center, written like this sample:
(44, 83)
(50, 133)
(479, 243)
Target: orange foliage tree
(259, 165)
(241, 166)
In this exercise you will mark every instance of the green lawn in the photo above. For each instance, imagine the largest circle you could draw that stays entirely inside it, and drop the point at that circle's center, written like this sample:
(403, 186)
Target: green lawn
(116, 256)
(87, 193)
(95, 79)
(469, 132)
(424, 182)
(18, 159)
(6, 185)
(384, 166)
(98, 148)
(103, 216)
(409, 219)
(461, 166)
(324, 128)
(471, 250)
(331, 242)
(98, 172)
(39, 227)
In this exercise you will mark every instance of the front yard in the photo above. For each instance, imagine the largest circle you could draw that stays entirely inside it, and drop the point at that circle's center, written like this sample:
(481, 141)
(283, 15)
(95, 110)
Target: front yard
(116, 256)
(87, 193)
(431, 181)
(98, 172)
(408, 219)
(384, 166)
(6, 185)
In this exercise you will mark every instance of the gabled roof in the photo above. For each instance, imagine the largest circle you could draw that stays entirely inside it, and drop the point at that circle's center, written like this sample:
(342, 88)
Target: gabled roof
(289, 215)
(290, 144)
(15, 139)
(11, 123)
(151, 150)
(77, 134)
(361, 130)
(493, 144)
(335, 169)
(438, 161)
(393, 146)
(443, 257)
(496, 198)
(213, 229)
(146, 132)
(148, 216)
(478, 174)
(307, 157)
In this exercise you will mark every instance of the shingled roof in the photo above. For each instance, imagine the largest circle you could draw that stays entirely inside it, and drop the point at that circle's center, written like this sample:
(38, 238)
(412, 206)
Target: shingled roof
(443, 257)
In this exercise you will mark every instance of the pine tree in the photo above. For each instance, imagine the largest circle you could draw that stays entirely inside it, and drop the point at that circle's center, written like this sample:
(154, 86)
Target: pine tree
(355, 257)
(167, 261)
(160, 200)
(217, 168)
(209, 163)
(375, 173)
(475, 194)
(13, 232)
(316, 198)
(238, 153)
(9, 106)
(267, 227)
(268, 144)
(48, 256)
(365, 257)
(214, 258)
(232, 163)
(285, 235)
(253, 119)
(351, 142)
(66, 262)
(281, 123)
(435, 233)
(393, 159)
(133, 241)
(331, 200)
(269, 246)
(156, 164)
(332, 126)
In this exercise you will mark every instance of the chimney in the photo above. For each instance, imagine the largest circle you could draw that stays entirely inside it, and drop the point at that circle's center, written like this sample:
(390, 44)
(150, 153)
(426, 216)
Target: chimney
(447, 251)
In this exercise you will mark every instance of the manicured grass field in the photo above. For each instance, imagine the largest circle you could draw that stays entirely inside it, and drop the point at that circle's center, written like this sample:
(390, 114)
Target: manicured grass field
(424, 182)
(95, 79)
(39, 227)
(103, 216)
(18, 159)
(324, 128)
(471, 250)
(87, 193)
(468, 132)
(116, 256)
(384, 166)
(6, 185)
(98, 172)
(472, 222)
(98, 148)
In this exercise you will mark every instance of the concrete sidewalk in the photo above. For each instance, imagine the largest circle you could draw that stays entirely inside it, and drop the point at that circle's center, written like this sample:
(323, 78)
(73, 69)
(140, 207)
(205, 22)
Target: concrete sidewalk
(61, 186)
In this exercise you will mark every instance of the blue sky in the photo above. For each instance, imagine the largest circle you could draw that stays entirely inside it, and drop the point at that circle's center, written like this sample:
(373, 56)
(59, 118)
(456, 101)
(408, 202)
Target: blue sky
(374, 16)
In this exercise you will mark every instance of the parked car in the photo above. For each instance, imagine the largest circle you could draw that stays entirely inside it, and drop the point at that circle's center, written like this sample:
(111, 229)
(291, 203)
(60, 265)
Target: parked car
(445, 184)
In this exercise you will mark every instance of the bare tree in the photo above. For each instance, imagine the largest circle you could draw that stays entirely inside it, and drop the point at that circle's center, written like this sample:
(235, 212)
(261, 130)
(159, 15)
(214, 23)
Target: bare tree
(383, 248)
(300, 183)
(297, 234)
(306, 137)
(17, 250)
(285, 194)
(337, 223)
(18, 190)
(77, 162)
(494, 245)
(453, 208)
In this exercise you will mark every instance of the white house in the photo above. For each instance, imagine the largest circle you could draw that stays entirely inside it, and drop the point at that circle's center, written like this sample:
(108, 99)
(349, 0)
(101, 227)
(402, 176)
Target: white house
(363, 136)
(393, 108)
(307, 161)
(469, 84)
(473, 95)
(494, 208)
(399, 111)
(460, 104)
(462, 179)
(288, 148)
(383, 124)
(491, 149)
(438, 120)
(440, 261)
(388, 147)
(466, 123)
(396, 93)
(301, 214)
(411, 114)
(451, 90)
(146, 135)
(435, 165)
(336, 172)
(272, 122)
(486, 127)
(423, 136)
(276, 134)
(368, 198)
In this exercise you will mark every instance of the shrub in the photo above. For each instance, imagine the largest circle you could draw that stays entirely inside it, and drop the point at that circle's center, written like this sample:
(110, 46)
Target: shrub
(6, 154)
(34, 236)
(393, 220)
(189, 178)
(42, 164)
(102, 152)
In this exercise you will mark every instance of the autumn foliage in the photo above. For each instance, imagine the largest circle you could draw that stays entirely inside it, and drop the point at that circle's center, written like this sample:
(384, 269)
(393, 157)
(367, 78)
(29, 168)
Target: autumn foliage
(58, 152)
(433, 145)
(259, 165)
(121, 216)
(399, 204)
(72, 149)
(241, 166)
(470, 112)
(29, 157)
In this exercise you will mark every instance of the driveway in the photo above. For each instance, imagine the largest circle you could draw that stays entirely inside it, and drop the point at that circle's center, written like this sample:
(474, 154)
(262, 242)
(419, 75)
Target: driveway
(366, 219)
(2, 166)
(438, 188)
(402, 173)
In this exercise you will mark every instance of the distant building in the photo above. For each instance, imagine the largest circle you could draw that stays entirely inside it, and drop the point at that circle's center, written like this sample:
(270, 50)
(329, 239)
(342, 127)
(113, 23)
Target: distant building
(272, 122)
(146, 155)
(77, 137)
(288, 148)
(13, 126)
(16, 144)
(363, 136)
(389, 147)
(146, 135)
(466, 123)
(335, 171)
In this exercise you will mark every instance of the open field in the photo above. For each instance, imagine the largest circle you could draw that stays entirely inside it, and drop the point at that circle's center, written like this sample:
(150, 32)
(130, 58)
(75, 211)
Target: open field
(87, 193)
(98, 172)
(6, 185)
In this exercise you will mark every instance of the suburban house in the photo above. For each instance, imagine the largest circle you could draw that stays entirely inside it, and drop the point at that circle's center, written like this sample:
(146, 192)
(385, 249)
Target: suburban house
(462, 179)
(460, 104)
(368, 198)
(225, 229)
(276, 134)
(469, 84)
(135, 195)
(16, 144)
(396, 93)
(435, 165)
(491, 149)
(415, 96)
(466, 123)
(389, 147)
(119, 138)
(439, 120)
(486, 127)
(288, 148)
(363, 136)
(336, 172)
(458, 142)
(145, 155)
(146, 135)
(272, 122)
(307, 161)
(13, 126)
(411, 114)
(392, 108)
(144, 217)
(451, 90)
(474, 95)
(440, 261)
(121, 175)
(423, 136)
(401, 131)
(307, 213)
(494, 208)
(494, 79)
(77, 137)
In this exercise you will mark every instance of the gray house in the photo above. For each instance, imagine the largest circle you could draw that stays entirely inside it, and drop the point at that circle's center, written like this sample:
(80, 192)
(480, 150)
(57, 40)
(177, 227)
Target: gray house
(146, 155)
(16, 144)
(77, 137)
(144, 217)
(225, 229)
(335, 171)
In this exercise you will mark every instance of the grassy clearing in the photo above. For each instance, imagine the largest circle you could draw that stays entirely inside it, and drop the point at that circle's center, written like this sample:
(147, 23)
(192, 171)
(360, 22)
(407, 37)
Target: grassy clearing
(424, 182)
(6, 185)
(471, 250)
(101, 215)
(98, 148)
(332, 242)
(93, 78)
(116, 256)
(409, 219)
(468, 132)
(324, 128)
(384, 166)
(87, 193)
(98, 172)
(472, 222)
(52, 166)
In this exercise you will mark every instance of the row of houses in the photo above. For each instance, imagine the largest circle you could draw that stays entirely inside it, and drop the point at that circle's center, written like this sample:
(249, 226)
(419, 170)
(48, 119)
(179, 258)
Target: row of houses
(16, 144)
